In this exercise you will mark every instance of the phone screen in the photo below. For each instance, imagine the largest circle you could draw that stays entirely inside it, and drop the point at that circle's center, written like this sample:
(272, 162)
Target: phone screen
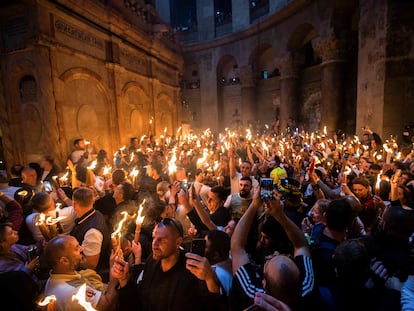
(198, 246)
(47, 186)
(266, 188)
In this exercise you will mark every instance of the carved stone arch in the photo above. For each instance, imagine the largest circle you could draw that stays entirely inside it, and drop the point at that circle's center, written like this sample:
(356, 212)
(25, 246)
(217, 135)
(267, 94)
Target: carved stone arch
(164, 114)
(263, 61)
(301, 46)
(26, 141)
(133, 111)
(86, 107)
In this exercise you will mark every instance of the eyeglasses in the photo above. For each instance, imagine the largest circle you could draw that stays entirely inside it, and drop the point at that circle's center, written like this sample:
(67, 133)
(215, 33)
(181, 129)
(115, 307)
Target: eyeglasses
(171, 222)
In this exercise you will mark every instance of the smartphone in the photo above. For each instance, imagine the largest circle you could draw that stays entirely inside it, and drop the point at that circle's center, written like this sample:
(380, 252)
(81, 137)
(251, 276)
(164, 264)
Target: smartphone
(184, 185)
(198, 246)
(346, 155)
(266, 188)
(47, 186)
(32, 251)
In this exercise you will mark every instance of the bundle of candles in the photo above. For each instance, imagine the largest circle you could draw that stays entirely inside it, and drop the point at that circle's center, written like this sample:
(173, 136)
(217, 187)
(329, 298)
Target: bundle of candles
(50, 226)
(116, 236)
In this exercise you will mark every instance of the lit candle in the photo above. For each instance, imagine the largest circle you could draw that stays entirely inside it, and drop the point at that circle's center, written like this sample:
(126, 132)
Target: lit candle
(116, 235)
(138, 222)
(49, 302)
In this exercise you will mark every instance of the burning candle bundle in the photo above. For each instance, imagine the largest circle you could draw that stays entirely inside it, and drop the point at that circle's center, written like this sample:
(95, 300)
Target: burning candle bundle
(48, 226)
(138, 222)
(49, 302)
(117, 234)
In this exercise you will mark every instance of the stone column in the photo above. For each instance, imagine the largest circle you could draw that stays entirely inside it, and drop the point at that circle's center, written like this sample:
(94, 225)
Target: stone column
(248, 95)
(332, 53)
(240, 14)
(289, 90)
(205, 20)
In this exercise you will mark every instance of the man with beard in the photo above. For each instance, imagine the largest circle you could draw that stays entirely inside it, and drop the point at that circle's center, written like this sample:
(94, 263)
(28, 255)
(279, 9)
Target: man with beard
(64, 255)
(171, 279)
(238, 203)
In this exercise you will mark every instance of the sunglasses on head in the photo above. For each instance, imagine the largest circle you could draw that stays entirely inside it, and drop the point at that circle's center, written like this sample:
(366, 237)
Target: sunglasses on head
(171, 222)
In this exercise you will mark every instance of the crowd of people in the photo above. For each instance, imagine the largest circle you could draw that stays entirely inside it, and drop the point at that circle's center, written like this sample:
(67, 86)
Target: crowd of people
(189, 222)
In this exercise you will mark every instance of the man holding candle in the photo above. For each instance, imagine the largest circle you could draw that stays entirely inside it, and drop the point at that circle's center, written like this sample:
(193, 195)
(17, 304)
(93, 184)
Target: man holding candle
(171, 279)
(92, 232)
(64, 255)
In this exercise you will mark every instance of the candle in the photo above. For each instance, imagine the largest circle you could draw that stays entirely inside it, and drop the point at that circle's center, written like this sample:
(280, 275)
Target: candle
(138, 222)
(378, 183)
(49, 302)
(116, 235)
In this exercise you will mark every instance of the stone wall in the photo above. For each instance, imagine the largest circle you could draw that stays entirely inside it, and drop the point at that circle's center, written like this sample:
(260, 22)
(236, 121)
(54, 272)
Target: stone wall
(84, 72)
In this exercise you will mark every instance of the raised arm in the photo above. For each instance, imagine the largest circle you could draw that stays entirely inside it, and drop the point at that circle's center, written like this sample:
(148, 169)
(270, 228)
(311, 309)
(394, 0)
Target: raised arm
(241, 232)
(294, 233)
(232, 165)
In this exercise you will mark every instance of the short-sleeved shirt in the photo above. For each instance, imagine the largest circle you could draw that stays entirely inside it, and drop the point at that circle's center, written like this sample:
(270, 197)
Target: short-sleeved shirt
(64, 286)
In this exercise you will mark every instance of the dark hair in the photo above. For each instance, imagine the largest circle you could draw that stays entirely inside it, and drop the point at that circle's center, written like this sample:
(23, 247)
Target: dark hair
(277, 160)
(49, 158)
(16, 170)
(156, 166)
(361, 180)
(127, 191)
(3, 226)
(222, 192)
(118, 176)
(77, 140)
(375, 166)
(41, 201)
(220, 243)
(339, 214)
(247, 178)
(83, 196)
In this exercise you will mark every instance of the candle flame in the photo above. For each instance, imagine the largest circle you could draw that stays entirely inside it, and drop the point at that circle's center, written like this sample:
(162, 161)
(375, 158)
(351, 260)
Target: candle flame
(134, 172)
(52, 221)
(377, 184)
(64, 177)
(46, 300)
(93, 165)
(80, 296)
(140, 218)
(117, 232)
(41, 219)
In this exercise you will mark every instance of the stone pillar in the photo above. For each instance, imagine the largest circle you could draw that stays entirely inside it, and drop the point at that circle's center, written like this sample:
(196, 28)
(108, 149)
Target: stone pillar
(332, 53)
(289, 90)
(248, 95)
(205, 20)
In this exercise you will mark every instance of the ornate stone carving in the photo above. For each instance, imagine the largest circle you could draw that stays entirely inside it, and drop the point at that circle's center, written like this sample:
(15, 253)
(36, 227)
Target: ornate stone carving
(78, 34)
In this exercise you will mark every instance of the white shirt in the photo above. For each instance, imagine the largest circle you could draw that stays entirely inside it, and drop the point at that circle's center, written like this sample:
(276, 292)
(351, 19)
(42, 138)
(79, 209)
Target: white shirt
(64, 286)
(67, 223)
